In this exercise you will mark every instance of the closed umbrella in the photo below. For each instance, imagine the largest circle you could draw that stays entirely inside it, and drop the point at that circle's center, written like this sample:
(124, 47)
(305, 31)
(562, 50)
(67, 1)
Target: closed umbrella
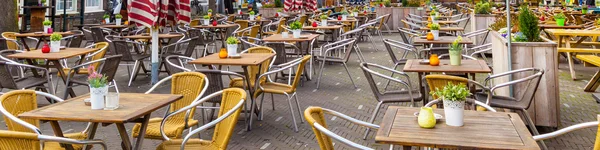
(310, 5)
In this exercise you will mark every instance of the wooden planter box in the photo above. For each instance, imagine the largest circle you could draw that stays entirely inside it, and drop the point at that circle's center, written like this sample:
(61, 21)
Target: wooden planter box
(268, 12)
(545, 108)
(481, 21)
(397, 14)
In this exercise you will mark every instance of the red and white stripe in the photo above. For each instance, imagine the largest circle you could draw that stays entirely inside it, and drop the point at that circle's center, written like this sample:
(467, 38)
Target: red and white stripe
(158, 12)
(143, 12)
(288, 5)
(310, 5)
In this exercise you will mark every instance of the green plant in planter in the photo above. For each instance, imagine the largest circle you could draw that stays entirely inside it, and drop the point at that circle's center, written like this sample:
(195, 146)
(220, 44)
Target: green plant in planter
(404, 3)
(106, 16)
(387, 3)
(47, 23)
(209, 11)
(324, 17)
(455, 46)
(452, 92)
(55, 37)
(296, 25)
(528, 25)
(206, 17)
(279, 10)
(344, 12)
(118, 16)
(483, 8)
(232, 40)
(278, 3)
(432, 13)
(251, 13)
(560, 15)
(584, 9)
(435, 26)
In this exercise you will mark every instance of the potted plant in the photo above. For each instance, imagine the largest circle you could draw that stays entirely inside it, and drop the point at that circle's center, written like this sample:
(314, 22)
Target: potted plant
(324, 20)
(435, 30)
(344, 15)
(560, 19)
(454, 97)
(455, 52)
(296, 28)
(355, 12)
(387, 3)
(209, 12)
(584, 9)
(118, 18)
(47, 24)
(42, 3)
(98, 88)
(279, 11)
(55, 42)
(232, 45)
(251, 15)
(483, 8)
(206, 20)
(106, 18)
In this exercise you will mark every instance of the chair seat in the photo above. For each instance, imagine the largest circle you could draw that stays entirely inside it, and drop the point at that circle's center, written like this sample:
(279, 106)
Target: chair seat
(172, 129)
(400, 96)
(175, 144)
(30, 82)
(275, 88)
(501, 101)
(56, 145)
(330, 59)
(237, 82)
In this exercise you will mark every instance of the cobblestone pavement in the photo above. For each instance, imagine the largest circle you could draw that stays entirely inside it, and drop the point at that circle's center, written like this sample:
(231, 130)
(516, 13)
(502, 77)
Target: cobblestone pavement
(337, 93)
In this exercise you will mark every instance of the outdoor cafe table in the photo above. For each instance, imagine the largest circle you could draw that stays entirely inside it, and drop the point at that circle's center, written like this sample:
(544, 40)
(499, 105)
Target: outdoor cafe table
(333, 28)
(223, 27)
(53, 59)
(467, 66)
(133, 107)
(39, 35)
(309, 38)
(481, 130)
(246, 60)
(453, 30)
(564, 38)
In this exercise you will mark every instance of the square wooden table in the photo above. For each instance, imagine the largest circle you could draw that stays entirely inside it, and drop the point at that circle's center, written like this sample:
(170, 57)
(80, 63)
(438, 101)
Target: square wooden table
(564, 38)
(53, 59)
(310, 38)
(39, 35)
(246, 60)
(482, 130)
(133, 107)
(467, 66)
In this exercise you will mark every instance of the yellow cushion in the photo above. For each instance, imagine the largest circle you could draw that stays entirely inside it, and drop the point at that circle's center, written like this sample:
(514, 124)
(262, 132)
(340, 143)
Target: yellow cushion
(275, 88)
(173, 129)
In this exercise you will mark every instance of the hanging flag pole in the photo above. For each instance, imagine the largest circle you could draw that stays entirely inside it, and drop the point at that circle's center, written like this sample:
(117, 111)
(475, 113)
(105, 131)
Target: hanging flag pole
(154, 55)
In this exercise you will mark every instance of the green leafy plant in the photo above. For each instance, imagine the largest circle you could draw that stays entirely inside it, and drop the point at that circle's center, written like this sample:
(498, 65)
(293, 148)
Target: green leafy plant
(432, 13)
(278, 3)
(43, 2)
(106, 16)
(435, 26)
(232, 40)
(118, 16)
(95, 79)
(206, 17)
(501, 22)
(387, 3)
(296, 25)
(560, 15)
(584, 7)
(55, 37)
(528, 24)
(251, 13)
(483, 8)
(324, 17)
(344, 12)
(268, 5)
(452, 92)
(279, 10)
(455, 46)
(405, 3)
(47, 22)
(209, 11)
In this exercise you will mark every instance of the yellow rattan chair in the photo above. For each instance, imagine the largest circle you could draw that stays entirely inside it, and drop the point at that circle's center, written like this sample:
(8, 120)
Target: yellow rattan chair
(254, 70)
(189, 84)
(279, 28)
(315, 116)
(303, 19)
(10, 36)
(16, 102)
(13, 140)
(232, 102)
(96, 55)
(243, 25)
(194, 22)
(440, 81)
(288, 90)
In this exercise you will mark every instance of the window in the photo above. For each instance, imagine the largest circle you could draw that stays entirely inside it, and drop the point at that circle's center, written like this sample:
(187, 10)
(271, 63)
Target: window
(60, 5)
(93, 5)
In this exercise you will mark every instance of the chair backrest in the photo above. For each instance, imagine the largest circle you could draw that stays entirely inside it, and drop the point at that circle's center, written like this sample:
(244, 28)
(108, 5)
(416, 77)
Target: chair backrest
(7, 76)
(224, 129)
(123, 49)
(436, 81)
(299, 71)
(17, 102)
(10, 36)
(190, 85)
(76, 40)
(110, 66)
(97, 34)
(243, 25)
(526, 79)
(19, 140)
(391, 44)
(254, 32)
(102, 48)
(194, 22)
(315, 115)
(253, 71)
(280, 26)
(230, 17)
(303, 19)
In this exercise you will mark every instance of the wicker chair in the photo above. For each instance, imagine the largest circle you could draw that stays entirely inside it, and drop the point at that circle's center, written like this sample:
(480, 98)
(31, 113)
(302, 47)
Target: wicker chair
(192, 86)
(96, 55)
(28, 141)
(12, 36)
(315, 116)
(107, 66)
(8, 80)
(19, 101)
(205, 38)
(232, 100)
(385, 96)
(379, 27)
(289, 90)
(10, 44)
(123, 48)
(278, 25)
(342, 46)
(75, 39)
(253, 71)
(243, 25)
(182, 48)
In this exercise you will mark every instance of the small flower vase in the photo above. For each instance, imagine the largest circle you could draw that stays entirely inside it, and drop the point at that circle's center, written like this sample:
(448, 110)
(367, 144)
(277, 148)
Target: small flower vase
(97, 97)
(455, 57)
(324, 22)
(206, 22)
(232, 50)
(344, 17)
(560, 22)
(454, 112)
(46, 29)
(107, 20)
(355, 14)
(251, 17)
(296, 33)
(426, 119)
(54, 46)
(118, 22)
(285, 34)
(436, 34)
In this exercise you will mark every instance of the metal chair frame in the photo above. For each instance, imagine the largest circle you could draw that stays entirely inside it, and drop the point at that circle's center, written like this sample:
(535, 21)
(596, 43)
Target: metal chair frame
(346, 44)
(343, 140)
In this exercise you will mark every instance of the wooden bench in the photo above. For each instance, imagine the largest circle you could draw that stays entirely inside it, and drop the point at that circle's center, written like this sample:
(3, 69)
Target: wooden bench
(591, 60)
(578, 50)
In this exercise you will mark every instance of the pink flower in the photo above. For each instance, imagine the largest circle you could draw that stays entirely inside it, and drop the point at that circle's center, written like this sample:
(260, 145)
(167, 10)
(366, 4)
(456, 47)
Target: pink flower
(91, 69)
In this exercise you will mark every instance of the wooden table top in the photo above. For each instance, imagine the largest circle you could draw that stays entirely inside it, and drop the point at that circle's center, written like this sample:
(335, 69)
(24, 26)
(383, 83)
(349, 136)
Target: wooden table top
(113, 26)
(329, 27)
(41, 34)
(248, 59)
(554, 26)
(482, 130)
(347, 20)
(441, 40)
(62, 54)
(446, 28)
(278, 38)
(563, 32)
(147, 36)
(131, 106)
(467, 66)
(218, 26)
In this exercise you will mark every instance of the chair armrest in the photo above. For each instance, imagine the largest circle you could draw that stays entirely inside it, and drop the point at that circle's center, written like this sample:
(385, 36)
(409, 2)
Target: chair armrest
(339, 138)
(508, 73)
(288, 65)
(565, 130)
(71, 141)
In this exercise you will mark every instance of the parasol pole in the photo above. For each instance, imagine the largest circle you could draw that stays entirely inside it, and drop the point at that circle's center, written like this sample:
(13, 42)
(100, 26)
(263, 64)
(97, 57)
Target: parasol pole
(508, 37)
(154, 57)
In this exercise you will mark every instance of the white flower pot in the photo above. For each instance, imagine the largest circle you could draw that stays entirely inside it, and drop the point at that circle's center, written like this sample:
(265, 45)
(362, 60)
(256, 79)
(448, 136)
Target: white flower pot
(239, 11)
(54, 46)
(252, 17)
(454, 112)
(97, 97)
(118, 22)
(297, 33)
(355, 14)
(324, 22)
(436, 34)
(285, 34)
(46, 29)
(434, 21)
(232, 50)
(107, 20)
(344, 17)
(206, 22)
